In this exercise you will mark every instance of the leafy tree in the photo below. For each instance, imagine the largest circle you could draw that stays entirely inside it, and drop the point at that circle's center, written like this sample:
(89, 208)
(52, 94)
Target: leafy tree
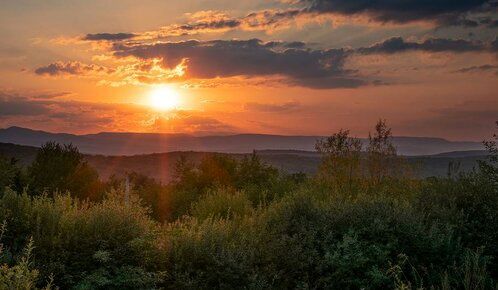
(63, 168)
(383, 163)
(11, 175)
(381, 152)
(490, 167)
(341, 159)
(151, 192)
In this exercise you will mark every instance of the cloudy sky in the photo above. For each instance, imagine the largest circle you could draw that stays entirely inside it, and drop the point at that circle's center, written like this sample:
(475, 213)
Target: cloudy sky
(291, 67)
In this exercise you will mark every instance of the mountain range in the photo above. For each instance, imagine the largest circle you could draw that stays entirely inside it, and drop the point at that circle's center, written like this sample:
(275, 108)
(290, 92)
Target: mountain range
(161, 166)
(117, 144)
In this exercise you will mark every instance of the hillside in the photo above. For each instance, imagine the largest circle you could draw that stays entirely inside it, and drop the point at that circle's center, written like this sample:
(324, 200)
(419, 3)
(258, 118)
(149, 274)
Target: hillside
(160, 166)
(147, 143)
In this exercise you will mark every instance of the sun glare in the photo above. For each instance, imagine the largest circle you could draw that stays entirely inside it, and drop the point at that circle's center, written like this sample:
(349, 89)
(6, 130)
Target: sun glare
(164, 98)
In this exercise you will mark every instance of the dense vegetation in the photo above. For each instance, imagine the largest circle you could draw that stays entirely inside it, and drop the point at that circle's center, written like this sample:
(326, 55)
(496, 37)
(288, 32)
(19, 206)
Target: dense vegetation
(362, 222)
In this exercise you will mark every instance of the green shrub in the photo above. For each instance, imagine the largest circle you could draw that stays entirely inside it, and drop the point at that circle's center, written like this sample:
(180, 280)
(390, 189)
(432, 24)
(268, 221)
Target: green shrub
(470, 205)
(20, 275)
(318, 243)
(213, 254)
(70, 235)
(221, 203)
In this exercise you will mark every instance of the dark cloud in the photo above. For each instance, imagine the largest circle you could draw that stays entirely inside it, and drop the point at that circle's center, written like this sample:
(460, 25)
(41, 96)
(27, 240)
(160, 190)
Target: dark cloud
(51, 95)
(465, 13)
(468, 119)
(71, 68)
(108, 36)
(212, 21)
(282, 44)
(443, 12)
(11, 105)
(398, 44)
(214, 24)
(272, 18)
(250, 58)
(480, 68)
(272, 108)
(494, 45)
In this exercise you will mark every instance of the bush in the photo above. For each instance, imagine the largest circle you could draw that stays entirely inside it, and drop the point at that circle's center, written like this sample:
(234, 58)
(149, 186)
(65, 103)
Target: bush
(213, 254)
(315, 242)
(20, 275)
(470, 205)
(222, 203)
(79, 241)
(242, 224)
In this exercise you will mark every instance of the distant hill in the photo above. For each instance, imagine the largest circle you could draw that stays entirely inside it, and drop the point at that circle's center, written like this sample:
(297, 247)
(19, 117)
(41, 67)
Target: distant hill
(147, 143)
(160, 166)
(458, 154)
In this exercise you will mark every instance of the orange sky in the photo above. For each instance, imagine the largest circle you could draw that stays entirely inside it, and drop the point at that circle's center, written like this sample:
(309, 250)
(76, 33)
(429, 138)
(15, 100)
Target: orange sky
(281, 67)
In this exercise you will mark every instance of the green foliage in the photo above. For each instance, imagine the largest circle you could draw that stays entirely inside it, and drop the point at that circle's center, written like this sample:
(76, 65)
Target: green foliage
(490, 168)
(152, 194)
(71, 237)
(11, 175)
(345, 169)
(222, 203)
(470, 205)
(383, 162)
(324, 242)
(213, 254)
(19, 276)
(341, 165)
(62, 168)
(229, 223)
(259, 182)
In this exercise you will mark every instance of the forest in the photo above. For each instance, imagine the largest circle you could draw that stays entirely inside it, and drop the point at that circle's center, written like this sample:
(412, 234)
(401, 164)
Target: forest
(363, 221)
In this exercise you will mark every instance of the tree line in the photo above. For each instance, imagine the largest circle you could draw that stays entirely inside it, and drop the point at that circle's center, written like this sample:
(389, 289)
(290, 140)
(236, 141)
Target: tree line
(363, 221)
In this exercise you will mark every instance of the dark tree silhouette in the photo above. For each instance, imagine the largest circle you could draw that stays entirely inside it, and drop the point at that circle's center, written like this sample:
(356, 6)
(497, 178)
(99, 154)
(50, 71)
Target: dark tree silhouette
(62, 168)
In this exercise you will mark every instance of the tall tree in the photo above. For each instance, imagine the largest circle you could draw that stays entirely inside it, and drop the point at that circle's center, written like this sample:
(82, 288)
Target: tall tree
(382, 157)
(11, 174)
(490, 166)
(63, 168)
(341, 164)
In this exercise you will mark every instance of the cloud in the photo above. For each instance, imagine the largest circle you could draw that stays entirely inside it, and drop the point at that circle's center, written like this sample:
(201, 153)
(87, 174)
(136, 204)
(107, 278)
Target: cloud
(480, 68)
(215, 22)
(108, 36)
(441, 12)
(398, 44)
(71, 68)
(249, 58)
(461, 121)
(272, 108)
(13, 105)
(34, 112)
(494, 45)
(50, 95)
(84, 117)
(466, 13)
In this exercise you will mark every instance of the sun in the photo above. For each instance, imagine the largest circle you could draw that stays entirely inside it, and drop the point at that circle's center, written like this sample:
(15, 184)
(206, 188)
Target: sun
(164, 98)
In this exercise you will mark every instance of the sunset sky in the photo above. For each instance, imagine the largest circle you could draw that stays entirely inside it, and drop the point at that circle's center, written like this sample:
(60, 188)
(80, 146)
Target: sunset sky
(290, 67)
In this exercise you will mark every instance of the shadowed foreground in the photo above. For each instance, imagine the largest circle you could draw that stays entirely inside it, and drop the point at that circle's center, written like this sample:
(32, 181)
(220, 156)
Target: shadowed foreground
(362, 221)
